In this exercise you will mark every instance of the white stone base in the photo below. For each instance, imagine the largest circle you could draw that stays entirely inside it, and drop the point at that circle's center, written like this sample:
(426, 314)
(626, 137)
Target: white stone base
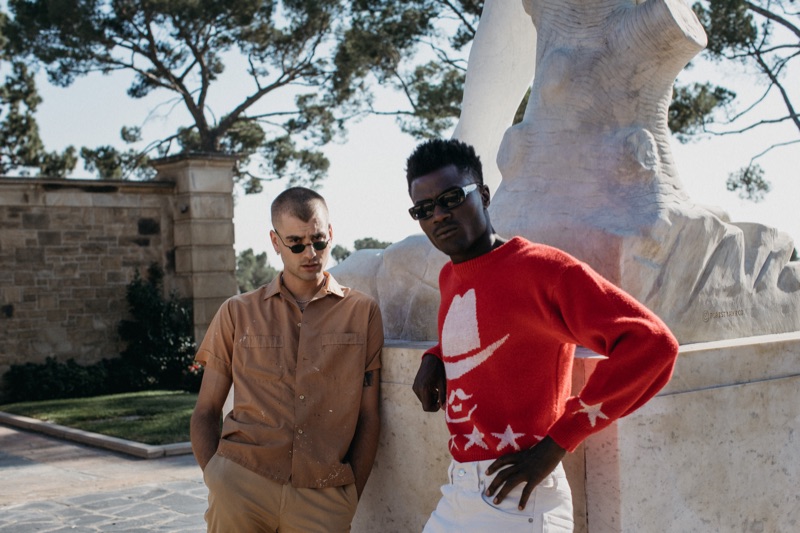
(717, 450)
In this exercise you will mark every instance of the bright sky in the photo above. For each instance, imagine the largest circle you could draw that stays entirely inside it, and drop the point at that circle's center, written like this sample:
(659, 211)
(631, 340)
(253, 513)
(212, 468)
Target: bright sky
(366, 190)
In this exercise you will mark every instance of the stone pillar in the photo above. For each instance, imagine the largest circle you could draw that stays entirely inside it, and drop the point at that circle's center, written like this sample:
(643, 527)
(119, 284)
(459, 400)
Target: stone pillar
(205, 261)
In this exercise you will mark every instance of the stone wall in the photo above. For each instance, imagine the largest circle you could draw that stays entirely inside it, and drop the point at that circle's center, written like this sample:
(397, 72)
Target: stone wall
(68, 248)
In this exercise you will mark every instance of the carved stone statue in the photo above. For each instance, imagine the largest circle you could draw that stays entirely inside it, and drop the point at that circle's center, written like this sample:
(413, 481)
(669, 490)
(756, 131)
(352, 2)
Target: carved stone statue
(589, 170)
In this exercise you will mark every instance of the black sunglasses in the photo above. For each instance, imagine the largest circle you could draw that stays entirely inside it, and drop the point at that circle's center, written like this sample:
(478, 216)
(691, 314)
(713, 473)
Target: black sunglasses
(299, 247)
(449, 199)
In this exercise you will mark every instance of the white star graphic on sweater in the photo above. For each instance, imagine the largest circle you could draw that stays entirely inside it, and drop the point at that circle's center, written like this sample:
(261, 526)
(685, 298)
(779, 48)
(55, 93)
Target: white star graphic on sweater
(593, 411)
(475, 438)
(508, 438)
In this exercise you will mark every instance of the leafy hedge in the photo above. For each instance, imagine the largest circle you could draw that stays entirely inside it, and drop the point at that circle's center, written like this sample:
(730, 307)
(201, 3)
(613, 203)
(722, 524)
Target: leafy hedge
(159, 352)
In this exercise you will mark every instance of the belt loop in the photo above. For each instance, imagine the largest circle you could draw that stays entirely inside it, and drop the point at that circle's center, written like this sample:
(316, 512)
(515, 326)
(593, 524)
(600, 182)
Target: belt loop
(484, 480)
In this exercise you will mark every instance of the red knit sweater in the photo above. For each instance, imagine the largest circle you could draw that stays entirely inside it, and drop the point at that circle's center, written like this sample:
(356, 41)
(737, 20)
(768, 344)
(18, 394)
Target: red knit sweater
(509, 321)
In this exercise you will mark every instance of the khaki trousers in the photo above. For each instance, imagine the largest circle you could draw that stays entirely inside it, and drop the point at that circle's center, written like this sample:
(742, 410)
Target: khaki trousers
(242, 501)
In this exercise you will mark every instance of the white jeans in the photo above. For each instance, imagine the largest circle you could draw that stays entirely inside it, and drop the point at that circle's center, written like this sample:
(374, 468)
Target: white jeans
(465, 508)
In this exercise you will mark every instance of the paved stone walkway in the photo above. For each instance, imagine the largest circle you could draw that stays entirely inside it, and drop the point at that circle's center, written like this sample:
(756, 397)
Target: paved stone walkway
(50, 485)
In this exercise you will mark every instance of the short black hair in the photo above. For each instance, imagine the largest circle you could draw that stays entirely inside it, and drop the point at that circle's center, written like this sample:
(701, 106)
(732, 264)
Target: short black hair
(434, 154)
(297, 202)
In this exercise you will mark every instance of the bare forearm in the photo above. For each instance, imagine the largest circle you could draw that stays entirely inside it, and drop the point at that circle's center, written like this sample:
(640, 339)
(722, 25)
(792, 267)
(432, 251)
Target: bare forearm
(205, 434)
(364, 449)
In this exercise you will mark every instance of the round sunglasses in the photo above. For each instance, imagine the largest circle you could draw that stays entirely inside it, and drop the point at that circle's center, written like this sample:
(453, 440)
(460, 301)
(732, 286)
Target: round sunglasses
(300, 247)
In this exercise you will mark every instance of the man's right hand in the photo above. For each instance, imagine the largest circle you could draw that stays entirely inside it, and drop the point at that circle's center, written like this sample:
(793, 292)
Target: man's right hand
(430, 384)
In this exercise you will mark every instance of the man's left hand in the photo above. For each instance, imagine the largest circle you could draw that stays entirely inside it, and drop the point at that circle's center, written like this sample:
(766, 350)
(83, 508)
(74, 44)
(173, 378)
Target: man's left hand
(527, 466)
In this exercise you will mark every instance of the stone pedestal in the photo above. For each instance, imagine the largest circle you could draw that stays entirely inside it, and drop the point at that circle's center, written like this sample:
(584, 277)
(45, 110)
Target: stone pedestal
(716, 450)
(205, 261)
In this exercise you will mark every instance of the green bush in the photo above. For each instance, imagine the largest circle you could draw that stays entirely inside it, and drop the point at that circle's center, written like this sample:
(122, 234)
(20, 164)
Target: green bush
(159, 336)
(52, 379)
(159, 353)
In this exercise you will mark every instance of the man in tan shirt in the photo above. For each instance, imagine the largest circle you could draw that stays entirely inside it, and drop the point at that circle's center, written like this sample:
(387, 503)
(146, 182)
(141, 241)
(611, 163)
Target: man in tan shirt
(303, 354)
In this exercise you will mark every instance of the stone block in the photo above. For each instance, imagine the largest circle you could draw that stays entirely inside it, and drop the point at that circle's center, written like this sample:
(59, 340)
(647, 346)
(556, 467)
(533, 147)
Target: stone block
(74, 236)
(93, 248)
(204, 311)
(206, 308)
(199, 174)
(729, 362)
(12, 238)
(47, 301)
(49, 238)
(205, 259)
(214, 285)
(206, 206)
(181, 284)
(56, 316)
(35, 220)
(709, 453)
(14, 196)
(115, 277)
(11, 295)
(28, 256)
(70, 198)
(207, 179)
(115, 200)
(204, 232)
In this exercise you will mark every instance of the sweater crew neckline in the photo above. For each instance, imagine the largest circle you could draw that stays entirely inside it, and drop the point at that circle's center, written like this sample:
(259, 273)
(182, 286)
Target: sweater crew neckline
(498, 254)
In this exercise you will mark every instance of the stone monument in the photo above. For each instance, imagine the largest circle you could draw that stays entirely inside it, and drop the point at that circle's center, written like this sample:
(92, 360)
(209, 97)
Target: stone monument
(589, 170)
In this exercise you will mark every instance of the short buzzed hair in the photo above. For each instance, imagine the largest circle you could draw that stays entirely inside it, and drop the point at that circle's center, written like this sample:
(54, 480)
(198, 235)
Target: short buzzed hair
(435, 154)
(297, 202)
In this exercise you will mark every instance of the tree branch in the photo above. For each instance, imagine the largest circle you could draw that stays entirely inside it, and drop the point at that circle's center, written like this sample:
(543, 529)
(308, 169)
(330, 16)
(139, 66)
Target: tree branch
(786, 100)
(180, 88)
(777, 145)
(773, 17)
(459, 14)
(748, 128)
(406, 90)
(287, 76)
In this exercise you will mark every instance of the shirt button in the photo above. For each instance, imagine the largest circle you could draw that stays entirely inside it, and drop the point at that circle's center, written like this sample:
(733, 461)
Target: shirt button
(300, 431)
(461, 472)
(298, 324)
(302, 396)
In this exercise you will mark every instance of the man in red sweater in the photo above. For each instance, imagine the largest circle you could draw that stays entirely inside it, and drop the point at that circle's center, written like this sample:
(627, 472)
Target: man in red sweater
(511, 313)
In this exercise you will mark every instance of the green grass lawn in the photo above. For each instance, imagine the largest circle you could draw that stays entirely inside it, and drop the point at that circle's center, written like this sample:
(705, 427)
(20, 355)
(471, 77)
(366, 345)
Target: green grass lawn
(149, 417)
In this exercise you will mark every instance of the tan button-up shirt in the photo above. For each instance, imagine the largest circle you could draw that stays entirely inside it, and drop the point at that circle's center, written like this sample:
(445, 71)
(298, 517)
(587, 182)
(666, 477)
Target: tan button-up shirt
(297, 379)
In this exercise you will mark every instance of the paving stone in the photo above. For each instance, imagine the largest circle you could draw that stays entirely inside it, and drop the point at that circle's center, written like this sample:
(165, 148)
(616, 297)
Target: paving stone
(87, 520)
(53, 486)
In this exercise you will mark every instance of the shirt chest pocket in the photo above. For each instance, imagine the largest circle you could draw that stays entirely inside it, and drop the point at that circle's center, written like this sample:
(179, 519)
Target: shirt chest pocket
(261, 357)
(343, 355)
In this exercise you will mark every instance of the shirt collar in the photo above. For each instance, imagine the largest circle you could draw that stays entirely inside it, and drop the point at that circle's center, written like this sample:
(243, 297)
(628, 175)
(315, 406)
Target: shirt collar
(331, 286)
